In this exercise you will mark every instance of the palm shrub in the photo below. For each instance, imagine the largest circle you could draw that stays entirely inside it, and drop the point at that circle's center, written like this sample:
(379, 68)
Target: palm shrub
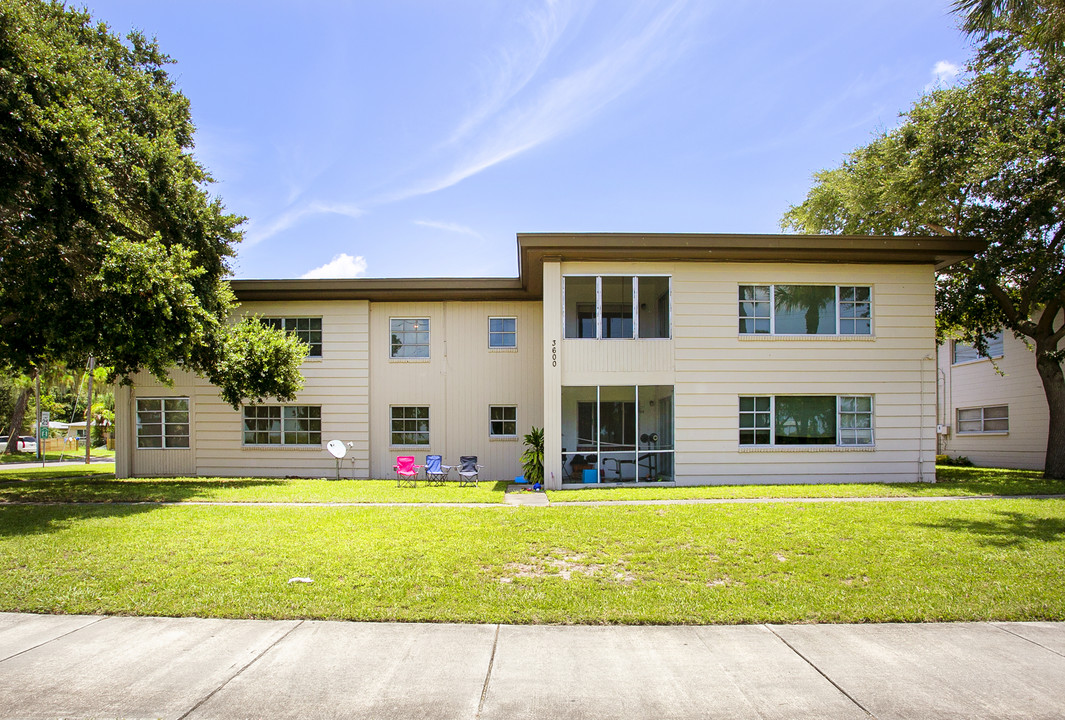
(532, 460)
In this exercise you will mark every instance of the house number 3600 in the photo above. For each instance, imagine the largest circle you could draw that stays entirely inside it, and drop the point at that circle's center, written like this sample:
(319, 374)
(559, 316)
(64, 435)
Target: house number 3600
(554, 353)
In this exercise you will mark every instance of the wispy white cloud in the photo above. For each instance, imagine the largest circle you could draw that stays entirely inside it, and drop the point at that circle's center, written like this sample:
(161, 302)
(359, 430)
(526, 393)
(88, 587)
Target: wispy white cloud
(525, 110)
(292, 216)
(448, 227)
(943, 75)
(341, 266)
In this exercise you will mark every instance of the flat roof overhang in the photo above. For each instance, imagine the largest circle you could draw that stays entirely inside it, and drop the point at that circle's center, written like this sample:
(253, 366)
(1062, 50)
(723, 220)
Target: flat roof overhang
(536, 248)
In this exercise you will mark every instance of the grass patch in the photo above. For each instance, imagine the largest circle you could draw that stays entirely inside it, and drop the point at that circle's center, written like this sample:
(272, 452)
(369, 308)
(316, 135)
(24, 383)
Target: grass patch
(55, 456)
(98, 471)
(950, 481)
(250, 490)
(849, 562)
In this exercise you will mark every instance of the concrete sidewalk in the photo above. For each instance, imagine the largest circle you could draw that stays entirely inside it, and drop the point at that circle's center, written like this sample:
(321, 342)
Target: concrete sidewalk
(109, 667)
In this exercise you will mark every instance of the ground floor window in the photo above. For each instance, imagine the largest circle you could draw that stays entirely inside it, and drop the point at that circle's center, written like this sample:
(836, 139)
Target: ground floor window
(805, 420)
(162, 423)
(994, 419)
(504, 421)
(410, 425)
(282, 425)
(617, 433)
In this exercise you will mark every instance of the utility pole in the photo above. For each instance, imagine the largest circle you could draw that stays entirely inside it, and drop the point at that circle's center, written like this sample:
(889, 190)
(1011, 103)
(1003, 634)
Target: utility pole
(37, 389)
(88, 414)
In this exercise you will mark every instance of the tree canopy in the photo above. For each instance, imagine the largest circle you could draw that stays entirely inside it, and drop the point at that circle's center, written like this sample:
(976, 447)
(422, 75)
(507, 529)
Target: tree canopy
(110, 243)
(984, 159)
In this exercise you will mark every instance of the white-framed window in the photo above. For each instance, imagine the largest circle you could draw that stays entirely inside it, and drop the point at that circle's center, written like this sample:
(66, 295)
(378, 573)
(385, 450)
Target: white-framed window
(608, 307)
(307, 329)
(786, 420)
(162, 423)
(409, 338)
(991, 419)
(410, 425)
(282, 425)
(503, 421)
(805, 310)
(502, 332)
(963, 353)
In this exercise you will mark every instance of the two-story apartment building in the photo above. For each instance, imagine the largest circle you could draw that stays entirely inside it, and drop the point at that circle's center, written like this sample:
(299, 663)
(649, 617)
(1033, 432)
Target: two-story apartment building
(679, 358)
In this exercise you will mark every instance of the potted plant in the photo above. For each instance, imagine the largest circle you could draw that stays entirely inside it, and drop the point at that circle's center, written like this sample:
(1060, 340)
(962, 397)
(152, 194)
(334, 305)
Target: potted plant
(532, 460)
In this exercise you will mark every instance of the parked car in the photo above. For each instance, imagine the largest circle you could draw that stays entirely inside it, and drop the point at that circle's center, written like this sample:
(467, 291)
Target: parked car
(26, 443)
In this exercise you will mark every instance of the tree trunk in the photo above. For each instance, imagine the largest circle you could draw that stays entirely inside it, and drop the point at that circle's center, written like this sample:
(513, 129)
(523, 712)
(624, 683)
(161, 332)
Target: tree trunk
(17, 416)
(1053, 378)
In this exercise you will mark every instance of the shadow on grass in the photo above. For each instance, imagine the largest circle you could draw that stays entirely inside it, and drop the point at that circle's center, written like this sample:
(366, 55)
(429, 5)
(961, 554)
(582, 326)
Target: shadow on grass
(995, 481)
(109, 490)
(16, 520)
(1008, 529)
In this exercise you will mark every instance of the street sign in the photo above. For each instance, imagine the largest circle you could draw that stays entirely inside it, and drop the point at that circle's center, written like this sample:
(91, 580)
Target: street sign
(45, 417)
(44, 432)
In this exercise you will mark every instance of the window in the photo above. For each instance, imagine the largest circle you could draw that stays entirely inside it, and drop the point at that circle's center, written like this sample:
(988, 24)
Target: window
(283, 425)
(410, 337)
(806, 420)
(967, 353)
(616, 306)
(504, 421)
(163, 423)
(805, 310)
(410, 425)
(309, 330)
(995, 419)
(502, 332)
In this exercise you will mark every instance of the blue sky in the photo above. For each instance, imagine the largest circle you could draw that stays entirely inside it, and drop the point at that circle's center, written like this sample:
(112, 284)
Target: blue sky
(415, 138)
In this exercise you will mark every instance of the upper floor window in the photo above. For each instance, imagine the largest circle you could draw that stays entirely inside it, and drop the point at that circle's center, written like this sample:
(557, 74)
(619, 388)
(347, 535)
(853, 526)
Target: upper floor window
(309, 330)
(806, 420)
(502, 332)
(616, 306)
(967, 353)
(805, 310)
(163, 423)
(410, 337)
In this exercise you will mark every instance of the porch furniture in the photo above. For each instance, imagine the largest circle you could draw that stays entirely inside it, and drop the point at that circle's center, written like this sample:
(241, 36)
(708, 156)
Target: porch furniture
(435, 471)
(406, 471)
(468, 470)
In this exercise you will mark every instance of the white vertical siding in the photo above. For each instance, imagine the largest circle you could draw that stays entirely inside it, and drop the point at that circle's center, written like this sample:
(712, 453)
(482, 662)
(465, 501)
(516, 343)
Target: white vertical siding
(459, 382)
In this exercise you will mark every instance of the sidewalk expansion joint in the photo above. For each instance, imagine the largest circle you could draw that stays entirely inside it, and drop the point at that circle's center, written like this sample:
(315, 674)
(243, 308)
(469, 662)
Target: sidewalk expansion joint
(237, 674)
(820, 672)
(488, 675)
(1022, 637)
(51, 640)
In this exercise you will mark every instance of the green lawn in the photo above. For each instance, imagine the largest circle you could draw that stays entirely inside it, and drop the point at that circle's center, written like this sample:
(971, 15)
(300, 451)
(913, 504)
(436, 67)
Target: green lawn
(29, 487)
(54, 456)
(96, 483)
(788, 562)
(950, 481)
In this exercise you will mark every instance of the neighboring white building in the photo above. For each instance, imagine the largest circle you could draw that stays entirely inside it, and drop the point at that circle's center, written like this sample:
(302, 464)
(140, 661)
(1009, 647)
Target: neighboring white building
(992, 410)
(682, 358)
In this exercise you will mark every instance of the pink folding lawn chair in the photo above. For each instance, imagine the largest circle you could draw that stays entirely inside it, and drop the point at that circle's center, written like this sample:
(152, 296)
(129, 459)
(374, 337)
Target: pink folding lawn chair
(406, 471)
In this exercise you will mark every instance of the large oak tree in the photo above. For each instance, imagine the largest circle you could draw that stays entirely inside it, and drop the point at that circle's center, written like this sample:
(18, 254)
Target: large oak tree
(110, 243)
(983, 159)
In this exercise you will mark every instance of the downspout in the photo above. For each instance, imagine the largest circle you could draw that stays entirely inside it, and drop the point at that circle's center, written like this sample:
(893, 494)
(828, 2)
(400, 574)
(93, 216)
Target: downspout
(920, 426)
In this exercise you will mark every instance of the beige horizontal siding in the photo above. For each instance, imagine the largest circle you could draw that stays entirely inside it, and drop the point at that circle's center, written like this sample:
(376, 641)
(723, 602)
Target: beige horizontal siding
(979, 384)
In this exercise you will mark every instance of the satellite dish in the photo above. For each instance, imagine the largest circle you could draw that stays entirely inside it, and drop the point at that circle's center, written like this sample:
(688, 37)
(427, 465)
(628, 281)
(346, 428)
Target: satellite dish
(336, 448)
